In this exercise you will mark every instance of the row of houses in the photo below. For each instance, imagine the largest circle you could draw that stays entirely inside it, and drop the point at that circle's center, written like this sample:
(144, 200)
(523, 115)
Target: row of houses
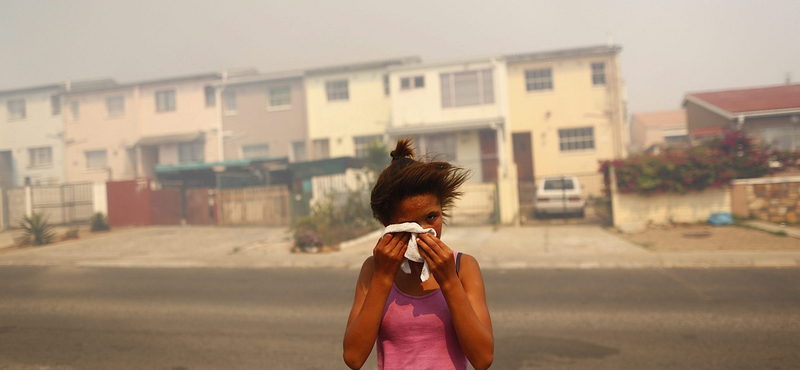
(510, 119)
(770, 114)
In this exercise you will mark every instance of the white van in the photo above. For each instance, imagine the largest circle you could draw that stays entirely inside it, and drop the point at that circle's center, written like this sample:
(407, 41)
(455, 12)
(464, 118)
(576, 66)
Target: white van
(559, 195)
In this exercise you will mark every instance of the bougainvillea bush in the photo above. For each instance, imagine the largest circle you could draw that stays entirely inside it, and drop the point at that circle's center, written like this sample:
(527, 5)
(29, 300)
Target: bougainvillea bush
(709, 165)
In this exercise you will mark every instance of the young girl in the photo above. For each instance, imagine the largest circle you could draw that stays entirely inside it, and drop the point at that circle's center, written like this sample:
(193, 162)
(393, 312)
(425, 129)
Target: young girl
(438, 323)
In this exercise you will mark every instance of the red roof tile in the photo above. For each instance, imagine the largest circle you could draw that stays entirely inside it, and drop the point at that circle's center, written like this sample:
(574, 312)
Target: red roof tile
(753, 100)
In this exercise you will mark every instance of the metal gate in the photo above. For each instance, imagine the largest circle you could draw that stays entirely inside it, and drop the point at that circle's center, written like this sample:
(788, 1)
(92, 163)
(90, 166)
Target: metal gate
(267, 205)
(478, 205)
(63, 204)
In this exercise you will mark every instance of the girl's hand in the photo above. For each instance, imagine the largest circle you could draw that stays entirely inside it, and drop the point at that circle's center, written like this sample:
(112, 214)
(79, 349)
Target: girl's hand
(388, 254)
(439, 257)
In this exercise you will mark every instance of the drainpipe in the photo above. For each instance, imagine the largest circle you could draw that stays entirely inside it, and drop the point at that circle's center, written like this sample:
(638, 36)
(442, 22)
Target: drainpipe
(739, 121)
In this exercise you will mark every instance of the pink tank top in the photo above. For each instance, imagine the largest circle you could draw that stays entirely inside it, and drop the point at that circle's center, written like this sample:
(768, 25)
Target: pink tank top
(418, 333)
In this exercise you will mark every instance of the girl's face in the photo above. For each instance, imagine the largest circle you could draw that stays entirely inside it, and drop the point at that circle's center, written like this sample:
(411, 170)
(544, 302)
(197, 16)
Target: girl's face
(423, 209)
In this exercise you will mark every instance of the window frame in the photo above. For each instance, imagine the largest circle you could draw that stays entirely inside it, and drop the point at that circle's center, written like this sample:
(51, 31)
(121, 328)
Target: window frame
(484, 79)
(230, 104)
(576, 139)
(599, 79)
(361, 144)
(16, 109)
(104, 152)
(539, 79)
(244, 148)
(121, 111)
(210, 94)
(168, 97)
(74, 111)
(34, 157)
(55, 105)
(197, 149)
(271, 97)
(338, 93)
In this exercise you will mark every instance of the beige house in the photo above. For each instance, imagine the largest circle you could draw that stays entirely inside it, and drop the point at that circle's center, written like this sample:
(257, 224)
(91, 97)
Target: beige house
(652, 129)
(567, 113)
(264, 116)
(123, 131)
(348, 107)
(457, 111)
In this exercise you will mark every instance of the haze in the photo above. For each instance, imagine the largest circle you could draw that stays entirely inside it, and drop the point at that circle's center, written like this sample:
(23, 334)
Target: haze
(669, 47)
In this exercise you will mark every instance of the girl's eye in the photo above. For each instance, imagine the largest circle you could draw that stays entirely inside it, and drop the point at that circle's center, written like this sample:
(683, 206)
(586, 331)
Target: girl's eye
(432, 217)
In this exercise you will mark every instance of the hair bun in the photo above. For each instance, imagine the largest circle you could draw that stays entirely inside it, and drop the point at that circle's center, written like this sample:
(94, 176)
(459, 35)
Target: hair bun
(403, 149)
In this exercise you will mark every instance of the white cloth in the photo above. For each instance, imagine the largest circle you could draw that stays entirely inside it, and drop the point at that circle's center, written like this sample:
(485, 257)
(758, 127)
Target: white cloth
(412, 253)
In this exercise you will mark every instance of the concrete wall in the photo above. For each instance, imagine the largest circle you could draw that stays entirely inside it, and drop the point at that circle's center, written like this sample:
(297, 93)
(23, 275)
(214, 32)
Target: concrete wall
(256, 122)
(39, 128)
(94, 129)
(366, 112)
(632, 209)
(773, 199)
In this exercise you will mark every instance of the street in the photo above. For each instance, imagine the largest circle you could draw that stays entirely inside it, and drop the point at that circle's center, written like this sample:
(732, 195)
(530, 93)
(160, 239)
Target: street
(65, 317)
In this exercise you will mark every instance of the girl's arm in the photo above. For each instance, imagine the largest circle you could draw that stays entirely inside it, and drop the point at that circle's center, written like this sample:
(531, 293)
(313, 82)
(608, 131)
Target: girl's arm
(372, 289)
(466, 298)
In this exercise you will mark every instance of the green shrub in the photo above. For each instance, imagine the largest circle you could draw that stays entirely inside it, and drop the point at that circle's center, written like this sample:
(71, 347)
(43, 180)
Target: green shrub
(36, 230)
(337, 218)
(71, 233)
(99, 222)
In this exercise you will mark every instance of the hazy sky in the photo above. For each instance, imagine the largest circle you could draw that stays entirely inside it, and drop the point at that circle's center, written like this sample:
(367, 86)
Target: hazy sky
(669, 47)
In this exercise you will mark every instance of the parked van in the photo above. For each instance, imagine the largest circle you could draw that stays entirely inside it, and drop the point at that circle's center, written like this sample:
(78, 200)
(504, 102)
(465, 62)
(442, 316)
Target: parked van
(559, 195)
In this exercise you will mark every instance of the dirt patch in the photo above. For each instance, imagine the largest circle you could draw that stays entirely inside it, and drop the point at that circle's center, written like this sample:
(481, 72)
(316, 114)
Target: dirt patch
(698, 237)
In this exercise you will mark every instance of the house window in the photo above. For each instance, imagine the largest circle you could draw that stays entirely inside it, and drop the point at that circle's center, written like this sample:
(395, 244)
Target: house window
(337, 90)
(386, 89)
(96, 160)
(416, 82)
(782, 137)
(362, 144)
(229, 99)
(441, 146)
(598, 73)
(16, 109)
(165, 101)
(299, 151)
(211, 96)
(280, 97)
(467, 88)
(539, 79)
(40, 157)
(191, 152)
(55, 105)
(322, 149)
(115, 106)
(74, 110)
(255, 151)
(575, 139)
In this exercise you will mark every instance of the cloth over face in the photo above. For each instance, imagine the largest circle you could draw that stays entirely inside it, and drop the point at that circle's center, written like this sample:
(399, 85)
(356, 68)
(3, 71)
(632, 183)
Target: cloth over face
(412, 253)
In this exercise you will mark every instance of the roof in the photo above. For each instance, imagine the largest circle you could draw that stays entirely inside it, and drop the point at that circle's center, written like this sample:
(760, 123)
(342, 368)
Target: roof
(759, 100)
(661, 119)
(28, 90)
(563, 53)
(379, 64)
(261, 77)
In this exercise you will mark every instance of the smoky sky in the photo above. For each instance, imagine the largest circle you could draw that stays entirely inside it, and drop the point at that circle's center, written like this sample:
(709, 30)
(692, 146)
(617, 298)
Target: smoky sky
(669, 47)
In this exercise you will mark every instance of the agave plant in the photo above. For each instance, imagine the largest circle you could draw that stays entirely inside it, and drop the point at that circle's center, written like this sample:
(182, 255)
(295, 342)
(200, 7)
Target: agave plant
(36, 230)
(99, 222)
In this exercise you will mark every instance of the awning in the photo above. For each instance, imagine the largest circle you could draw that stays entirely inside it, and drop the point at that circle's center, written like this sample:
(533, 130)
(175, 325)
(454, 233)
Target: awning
(434, 128)
(272, 164)
(169, 139)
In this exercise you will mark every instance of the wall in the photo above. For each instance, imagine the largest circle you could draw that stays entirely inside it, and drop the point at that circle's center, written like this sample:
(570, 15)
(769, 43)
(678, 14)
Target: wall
(572, 103)
(635, 209)
(698, 117)
(773, 199)
(367, 112)
(96, 130)
(39, 128)
(255, 122)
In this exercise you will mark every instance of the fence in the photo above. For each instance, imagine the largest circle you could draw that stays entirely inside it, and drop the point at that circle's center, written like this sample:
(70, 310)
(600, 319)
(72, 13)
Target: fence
(478, 205)
(773, 199)
(61, 204)
(264, 205)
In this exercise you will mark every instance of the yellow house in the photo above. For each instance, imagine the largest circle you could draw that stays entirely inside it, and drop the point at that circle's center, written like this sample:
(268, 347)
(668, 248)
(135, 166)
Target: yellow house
(348, 107)
(567, 113)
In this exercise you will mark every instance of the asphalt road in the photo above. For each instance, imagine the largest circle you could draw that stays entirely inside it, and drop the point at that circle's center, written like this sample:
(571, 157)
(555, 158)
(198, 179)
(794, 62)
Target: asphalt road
(64, 318)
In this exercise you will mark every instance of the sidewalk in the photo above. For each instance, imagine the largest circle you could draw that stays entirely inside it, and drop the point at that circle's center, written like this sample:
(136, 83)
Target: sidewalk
(544, 247)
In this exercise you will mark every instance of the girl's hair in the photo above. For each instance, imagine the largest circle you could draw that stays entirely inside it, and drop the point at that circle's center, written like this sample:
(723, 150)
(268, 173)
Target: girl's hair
(407, 177)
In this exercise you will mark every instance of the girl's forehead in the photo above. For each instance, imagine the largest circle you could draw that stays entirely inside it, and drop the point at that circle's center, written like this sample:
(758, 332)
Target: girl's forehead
(418, 203)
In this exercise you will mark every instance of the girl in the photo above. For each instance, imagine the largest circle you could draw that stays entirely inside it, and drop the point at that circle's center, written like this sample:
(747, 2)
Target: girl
(440, 323)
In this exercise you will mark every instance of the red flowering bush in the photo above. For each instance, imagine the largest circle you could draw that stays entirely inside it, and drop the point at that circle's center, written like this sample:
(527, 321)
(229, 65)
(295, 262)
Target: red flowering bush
(711, 164)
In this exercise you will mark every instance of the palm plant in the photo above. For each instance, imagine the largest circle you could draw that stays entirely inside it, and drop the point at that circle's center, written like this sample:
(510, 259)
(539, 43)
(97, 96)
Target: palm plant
(99, 222)
(36, 230)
